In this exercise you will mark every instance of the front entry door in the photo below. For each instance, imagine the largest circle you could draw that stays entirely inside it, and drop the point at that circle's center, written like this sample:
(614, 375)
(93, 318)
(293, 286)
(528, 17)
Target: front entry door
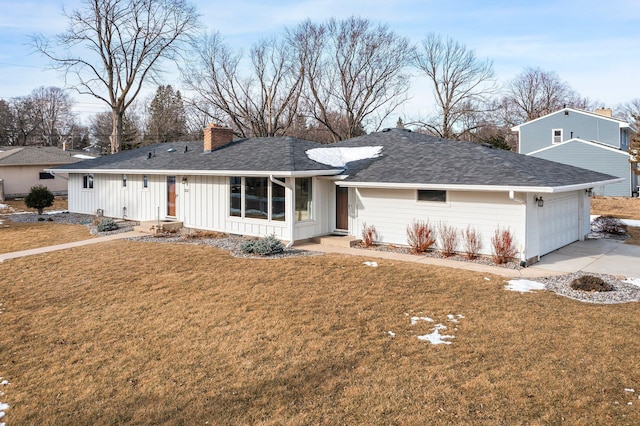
(171, 196)
(342, 208)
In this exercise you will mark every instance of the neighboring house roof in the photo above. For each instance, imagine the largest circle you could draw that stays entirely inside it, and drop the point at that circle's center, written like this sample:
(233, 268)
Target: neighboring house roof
(591, 143)
(281, 155)
(31, 155)
(417, 160)
(621, 123)
(400, 159)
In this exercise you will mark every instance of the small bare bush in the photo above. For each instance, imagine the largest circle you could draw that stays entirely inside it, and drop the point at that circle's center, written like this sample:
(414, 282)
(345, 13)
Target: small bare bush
(609, 225)
(590, 283)
(420, 236)
(368, 235)
(203, 234)
(448, 236)
(472, 242)
(503, 246)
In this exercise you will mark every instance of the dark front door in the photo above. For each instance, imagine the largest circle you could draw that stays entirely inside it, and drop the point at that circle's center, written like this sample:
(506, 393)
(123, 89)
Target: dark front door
(342, 208)
(171, 196)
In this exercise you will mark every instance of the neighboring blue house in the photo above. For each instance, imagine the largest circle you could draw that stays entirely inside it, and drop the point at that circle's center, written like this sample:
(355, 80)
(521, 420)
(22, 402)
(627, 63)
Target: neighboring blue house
(594, 141)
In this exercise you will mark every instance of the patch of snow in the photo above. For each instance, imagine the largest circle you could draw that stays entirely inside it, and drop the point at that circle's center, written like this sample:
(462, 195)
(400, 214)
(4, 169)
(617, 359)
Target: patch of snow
(435, 338)
(372, 264)
(634, 281)
(487, 279)
(3, 206)
(629, 390)
(4, 382)
(340, 156)
(628, 222)
(84, 156)
(414, 320)
(392, 334)
(454, 318)
(524, 286)
(57, 212)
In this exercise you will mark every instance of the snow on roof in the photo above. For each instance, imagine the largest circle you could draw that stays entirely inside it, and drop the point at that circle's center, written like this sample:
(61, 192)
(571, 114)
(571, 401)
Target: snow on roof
(84, 156)
(340, 156)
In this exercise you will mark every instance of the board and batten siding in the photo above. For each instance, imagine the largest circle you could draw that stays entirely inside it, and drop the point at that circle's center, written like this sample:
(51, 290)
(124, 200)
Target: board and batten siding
(202, 202)
(592, 157)
(537, 134)
(392, 210)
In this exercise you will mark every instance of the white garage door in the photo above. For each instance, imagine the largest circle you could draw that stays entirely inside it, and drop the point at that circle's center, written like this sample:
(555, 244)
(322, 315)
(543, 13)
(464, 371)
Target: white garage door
(559, 223)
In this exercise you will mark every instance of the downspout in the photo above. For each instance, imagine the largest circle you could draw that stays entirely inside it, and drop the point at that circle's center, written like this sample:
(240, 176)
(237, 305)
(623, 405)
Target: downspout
(292, 213)
(523, 257)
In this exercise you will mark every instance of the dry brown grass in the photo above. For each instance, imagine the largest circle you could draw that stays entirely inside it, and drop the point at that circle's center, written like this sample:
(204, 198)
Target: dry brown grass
(152, 333)
(620, 207)
(634, 232)
(59, 203)
(24, 236)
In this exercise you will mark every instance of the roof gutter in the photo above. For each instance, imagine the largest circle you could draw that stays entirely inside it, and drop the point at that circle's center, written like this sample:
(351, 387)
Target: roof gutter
(484, 188)
(251, 173)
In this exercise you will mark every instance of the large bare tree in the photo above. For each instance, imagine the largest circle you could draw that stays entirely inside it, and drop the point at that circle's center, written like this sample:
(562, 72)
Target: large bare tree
(535, 92)
(355, 73)
(461, 84)
(112, 47)
(53, 109)
(257, 95)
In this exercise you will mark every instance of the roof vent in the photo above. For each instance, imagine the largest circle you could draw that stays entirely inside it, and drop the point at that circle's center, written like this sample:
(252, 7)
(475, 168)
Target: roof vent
(487, 145)
(186, 148)
(386, 129)
(149, 156)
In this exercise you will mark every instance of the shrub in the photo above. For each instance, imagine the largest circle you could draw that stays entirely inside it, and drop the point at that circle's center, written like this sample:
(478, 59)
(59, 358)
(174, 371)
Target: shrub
(266, 246)
(420, 236)
(368, 235)
(609, 225)
(472, 242)
(590, 283)
(503, 246)
(39, 197)
(448, 236)
(107, 225)
(202, 234)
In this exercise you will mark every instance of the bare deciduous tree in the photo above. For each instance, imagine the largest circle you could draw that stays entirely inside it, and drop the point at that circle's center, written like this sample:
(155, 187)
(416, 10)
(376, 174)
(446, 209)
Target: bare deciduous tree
(112, 47)
(461, 84)
(259, 98)
(534, 93)
(630, 111)
(354, 73)
(53, 108)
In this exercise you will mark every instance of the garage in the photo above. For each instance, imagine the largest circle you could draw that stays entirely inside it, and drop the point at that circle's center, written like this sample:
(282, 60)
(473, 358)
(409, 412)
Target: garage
(559, 222)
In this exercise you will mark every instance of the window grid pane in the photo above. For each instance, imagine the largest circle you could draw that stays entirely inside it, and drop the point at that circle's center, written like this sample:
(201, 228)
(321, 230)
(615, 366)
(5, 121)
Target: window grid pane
(303, 199)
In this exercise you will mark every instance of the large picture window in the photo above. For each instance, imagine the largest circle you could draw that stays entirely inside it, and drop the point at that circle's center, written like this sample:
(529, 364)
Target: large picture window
(277, 201)
(304, 199)
(235, 194)
(256, 200)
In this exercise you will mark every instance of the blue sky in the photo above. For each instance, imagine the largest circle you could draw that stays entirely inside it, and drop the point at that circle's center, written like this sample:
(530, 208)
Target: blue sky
(593, 45)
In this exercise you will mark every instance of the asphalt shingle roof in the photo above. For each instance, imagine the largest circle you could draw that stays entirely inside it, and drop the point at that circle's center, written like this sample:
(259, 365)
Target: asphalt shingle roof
(253, 154)
(406, 158)
(23, 155)
(409, 157)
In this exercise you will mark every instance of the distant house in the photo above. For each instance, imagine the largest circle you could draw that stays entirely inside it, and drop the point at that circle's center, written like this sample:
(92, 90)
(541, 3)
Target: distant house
(296, 189)
(22, 167)
(594, 141)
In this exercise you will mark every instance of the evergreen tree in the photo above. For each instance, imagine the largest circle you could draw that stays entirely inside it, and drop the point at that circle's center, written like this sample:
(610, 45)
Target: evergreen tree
(167, 118)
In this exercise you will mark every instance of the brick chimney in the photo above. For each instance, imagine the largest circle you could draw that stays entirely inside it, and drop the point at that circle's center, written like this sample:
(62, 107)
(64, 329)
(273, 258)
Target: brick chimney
(216, 136)
(605, 112)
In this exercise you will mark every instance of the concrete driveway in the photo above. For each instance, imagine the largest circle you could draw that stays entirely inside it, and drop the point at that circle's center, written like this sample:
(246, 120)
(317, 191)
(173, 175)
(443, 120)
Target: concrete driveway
(598, 256)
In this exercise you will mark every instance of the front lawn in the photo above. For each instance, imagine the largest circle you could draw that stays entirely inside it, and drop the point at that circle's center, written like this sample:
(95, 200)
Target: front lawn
(25, 236)
(620, 207)
(149, 333)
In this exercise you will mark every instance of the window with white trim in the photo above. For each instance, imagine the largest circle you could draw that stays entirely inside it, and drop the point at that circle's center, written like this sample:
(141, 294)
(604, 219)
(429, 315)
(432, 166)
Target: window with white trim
(87, 181)
(557, 135)
(256, 198)
(46, 175)
(304, 199)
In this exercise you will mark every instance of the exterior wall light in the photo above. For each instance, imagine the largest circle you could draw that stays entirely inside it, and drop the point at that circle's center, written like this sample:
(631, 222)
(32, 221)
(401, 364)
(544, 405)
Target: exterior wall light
(589, 192)
(540, 201)
(185, 180)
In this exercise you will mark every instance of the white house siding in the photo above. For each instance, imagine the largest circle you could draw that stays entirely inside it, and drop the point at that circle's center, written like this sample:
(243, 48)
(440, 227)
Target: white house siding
(323, 211)
(392, 210)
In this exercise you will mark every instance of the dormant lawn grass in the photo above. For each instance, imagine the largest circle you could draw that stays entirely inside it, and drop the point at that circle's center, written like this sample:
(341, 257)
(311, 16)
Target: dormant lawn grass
(620, 207)
(24, 236)
(150, 333)
(59, 203)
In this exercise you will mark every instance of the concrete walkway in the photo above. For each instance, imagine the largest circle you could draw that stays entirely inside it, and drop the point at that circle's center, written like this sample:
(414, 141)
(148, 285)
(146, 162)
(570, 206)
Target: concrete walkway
(30, 252)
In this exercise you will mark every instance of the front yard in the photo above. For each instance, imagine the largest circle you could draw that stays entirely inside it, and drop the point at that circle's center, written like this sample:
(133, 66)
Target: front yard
(150, 333)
